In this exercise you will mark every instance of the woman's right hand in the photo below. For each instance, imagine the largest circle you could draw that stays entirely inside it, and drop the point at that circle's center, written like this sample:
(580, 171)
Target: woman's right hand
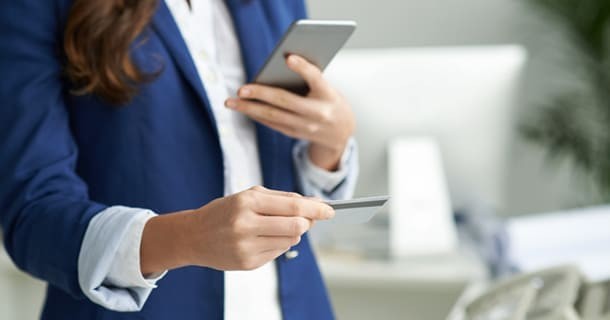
(238, 232)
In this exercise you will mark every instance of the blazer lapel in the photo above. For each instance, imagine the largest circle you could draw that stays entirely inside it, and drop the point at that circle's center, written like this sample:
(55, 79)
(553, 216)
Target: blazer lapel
(164, 25)
(254, 33)
(256, 41)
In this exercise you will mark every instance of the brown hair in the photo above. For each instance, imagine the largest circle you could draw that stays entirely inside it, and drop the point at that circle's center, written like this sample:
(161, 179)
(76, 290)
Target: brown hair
(97, 42)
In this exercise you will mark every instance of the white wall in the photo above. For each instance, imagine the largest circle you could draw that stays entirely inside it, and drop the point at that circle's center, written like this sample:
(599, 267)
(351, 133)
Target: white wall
(534, 184)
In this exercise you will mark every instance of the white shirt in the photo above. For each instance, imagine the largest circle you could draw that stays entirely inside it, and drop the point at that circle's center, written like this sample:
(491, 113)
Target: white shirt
(208, 32)
(109, 271)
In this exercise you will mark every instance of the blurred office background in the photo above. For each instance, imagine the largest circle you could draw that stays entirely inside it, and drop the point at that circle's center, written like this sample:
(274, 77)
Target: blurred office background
(533, 183)
(502, 54)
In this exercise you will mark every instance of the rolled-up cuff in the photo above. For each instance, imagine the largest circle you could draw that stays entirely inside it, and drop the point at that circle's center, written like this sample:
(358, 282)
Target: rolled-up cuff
(109, 261)
(316, 181)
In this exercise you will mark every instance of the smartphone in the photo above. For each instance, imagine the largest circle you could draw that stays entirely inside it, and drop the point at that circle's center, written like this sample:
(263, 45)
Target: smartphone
(318, 41)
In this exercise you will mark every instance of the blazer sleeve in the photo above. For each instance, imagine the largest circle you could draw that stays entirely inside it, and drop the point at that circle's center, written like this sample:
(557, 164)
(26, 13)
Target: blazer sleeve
(44, 206)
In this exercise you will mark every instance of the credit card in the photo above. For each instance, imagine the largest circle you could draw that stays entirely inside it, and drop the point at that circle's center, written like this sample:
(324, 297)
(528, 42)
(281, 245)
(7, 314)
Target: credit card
(356, 211)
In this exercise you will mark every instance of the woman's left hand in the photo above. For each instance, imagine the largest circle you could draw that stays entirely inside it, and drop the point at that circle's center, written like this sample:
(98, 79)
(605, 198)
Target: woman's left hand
(323, 117)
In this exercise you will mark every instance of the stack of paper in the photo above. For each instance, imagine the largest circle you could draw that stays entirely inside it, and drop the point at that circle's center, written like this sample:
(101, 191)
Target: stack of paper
(580, 237)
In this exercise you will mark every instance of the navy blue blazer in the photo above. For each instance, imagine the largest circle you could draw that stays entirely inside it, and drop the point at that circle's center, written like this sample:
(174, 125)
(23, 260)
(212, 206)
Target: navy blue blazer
(65, 158)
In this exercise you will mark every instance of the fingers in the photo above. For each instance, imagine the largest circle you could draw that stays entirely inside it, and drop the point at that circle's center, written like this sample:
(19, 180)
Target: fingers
(303, 131)
(264, 112)
(275, 226)
(259, 258)
(286, 122)
(315, 199)
(271, 255)
(279, 192)
(265, 244)
(279, 205)
(278, 97)
(310, 73)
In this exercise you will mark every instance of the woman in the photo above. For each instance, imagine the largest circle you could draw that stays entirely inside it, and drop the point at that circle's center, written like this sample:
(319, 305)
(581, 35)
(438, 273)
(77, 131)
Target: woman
(132, 154)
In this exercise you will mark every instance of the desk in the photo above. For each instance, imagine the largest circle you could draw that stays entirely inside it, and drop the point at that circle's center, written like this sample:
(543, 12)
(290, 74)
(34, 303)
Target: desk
(422, 288)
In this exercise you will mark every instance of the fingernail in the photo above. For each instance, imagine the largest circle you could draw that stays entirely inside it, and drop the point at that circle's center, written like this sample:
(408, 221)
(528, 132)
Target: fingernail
(330, 213)
(230, 103)
(293, 60)
(244, 92)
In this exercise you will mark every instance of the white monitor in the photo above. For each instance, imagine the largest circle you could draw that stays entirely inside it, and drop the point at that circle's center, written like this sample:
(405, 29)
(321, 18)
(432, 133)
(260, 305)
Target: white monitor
(464, 97)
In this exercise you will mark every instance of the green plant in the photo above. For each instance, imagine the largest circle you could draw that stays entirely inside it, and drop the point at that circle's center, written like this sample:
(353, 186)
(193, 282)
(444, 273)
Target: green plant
(576, 123)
